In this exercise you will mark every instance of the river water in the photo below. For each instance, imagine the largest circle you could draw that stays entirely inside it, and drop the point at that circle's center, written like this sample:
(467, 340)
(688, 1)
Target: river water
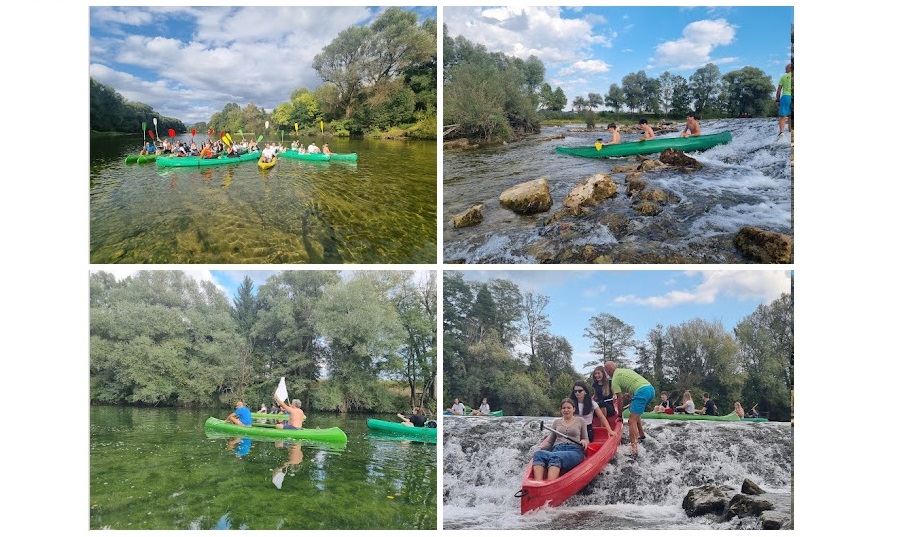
(381, 209)
(747, 182)
(485, 459)
(159, 469)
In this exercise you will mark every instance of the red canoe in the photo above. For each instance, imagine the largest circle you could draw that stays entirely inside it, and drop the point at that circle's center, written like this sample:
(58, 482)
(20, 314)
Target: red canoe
(534, 494)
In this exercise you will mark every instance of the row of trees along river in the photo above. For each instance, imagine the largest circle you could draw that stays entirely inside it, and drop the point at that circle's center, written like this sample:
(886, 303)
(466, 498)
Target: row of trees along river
(485, 324)
(364, 343)
(492, 96)
(378, 80)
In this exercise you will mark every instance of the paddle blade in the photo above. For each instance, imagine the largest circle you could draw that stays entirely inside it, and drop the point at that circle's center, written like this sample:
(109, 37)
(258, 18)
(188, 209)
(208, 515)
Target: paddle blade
(295, 127)
(282, 390)
(172, 133)
(154, 122)
(193, 132)
(225, 141)
(259, 138)
(150, 132)
(267, 124)
(598, 146)
(210, 132)
(143, 126)
(321, 125)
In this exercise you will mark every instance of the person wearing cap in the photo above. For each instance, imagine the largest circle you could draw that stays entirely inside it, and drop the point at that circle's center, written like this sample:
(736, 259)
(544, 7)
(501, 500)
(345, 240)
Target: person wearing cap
(241, 416)
(784, 98)
(296, 416)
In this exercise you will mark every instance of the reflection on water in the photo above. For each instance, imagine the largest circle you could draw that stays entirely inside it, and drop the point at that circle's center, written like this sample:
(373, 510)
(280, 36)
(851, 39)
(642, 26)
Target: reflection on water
(381, 209)
(747, 182)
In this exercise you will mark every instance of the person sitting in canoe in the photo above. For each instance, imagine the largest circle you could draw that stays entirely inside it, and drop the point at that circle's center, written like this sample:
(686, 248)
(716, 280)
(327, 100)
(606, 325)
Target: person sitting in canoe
(241, 416)
(688, 406)
(268, 153)
(483, 410)
(417, 419)
(664, 407)
(647, 132)
(149, 149)
(615, 135)
(326, 150)
(692, 126)
(296, 416)
(709, 408)
(457, 408)
(737, 408)
(557, 453)
(312, 148)
(753, 413)
(206, 152)
(263, 409)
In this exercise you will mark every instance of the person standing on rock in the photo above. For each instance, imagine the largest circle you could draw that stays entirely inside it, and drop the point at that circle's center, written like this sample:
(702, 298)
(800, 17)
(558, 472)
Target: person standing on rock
(642, 392)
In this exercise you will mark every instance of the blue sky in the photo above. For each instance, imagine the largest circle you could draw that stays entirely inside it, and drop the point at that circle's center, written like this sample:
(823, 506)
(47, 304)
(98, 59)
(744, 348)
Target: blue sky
(586, 49)
(642, 298)
(188, 62)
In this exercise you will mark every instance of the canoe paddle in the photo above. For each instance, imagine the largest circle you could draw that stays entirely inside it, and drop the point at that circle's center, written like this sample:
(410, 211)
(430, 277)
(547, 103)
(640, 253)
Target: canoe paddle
(542, 427)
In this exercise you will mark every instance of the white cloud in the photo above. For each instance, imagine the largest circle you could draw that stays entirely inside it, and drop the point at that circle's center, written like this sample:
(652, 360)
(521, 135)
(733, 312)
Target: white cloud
(695, 48)
(586, 66)
(762, 285)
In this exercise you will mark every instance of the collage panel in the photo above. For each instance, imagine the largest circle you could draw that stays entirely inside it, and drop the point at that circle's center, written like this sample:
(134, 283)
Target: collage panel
(263, 135)
(618, 135)
(263, 400)
(618, 399)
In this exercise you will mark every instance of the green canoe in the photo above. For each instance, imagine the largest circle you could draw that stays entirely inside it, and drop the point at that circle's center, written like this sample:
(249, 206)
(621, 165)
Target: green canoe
(139, 159)
(469, 410)
(690, 143)
(330, 434)
(732, 416)
(291, 153)
(187, 162)
(422, 434)
(260, 415)
(755, 419)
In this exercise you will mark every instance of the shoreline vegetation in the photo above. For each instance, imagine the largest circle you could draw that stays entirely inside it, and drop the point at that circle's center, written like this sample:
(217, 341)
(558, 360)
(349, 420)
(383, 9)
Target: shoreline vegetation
(491, 98)
(387, 92)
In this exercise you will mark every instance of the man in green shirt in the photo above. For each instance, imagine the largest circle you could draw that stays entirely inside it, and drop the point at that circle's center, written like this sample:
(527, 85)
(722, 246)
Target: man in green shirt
(784, 98)
(642, 392)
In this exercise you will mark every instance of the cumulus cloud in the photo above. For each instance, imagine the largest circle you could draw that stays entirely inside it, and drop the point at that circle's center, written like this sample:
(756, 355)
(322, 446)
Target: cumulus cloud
(765, 286)
(586, 66)
(696, 46)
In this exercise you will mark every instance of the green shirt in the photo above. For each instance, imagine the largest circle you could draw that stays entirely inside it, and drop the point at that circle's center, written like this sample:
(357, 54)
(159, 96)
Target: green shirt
(786, 83)
(627, 380)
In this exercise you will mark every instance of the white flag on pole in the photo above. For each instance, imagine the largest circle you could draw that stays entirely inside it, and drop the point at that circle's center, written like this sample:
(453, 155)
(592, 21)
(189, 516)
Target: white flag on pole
(282, 390)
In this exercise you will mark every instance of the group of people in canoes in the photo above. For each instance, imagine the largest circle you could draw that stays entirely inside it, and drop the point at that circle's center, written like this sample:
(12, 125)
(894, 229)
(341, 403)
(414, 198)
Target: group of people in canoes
(296, 417)
(692, 129)
(312, 149)
(459, 409)
(570, 434)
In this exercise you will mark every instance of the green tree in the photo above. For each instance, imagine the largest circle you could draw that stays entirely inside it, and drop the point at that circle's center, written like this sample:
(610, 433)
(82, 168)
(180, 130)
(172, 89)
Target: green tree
(705, 87)
(611, 338)
(766, 354)
(747, 91)
(615, 98)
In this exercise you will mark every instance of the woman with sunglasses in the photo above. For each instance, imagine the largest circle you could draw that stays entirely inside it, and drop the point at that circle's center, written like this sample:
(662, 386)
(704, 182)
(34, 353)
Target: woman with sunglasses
(585, 406)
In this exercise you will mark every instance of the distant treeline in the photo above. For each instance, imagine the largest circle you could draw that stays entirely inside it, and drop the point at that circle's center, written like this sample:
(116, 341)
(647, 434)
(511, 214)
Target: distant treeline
(110, 112)
(367, 344)
(485, 324)
(492, 96)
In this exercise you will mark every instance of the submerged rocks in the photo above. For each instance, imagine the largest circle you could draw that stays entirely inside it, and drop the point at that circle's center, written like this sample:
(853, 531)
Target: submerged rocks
(527, 198)
(772, 511)
(470, 217)
(764, 246)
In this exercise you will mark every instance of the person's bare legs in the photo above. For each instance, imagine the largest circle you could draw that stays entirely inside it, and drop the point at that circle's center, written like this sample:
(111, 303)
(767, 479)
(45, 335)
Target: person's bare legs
(538, 472)
(634, 432)
(553, 472)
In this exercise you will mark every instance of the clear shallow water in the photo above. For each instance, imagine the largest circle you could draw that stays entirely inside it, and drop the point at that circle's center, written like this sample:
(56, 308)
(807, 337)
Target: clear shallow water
(154, 469)
(485, 458)
(381, 209)
(747, 182)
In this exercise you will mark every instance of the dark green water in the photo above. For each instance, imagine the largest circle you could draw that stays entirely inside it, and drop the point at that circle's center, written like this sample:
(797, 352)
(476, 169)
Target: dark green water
(381, 209)
(156, 469)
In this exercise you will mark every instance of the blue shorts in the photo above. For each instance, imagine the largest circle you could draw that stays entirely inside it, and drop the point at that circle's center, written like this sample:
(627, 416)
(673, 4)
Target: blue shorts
(290, 426)
(785, 105)
(641, 399)
(564, 456)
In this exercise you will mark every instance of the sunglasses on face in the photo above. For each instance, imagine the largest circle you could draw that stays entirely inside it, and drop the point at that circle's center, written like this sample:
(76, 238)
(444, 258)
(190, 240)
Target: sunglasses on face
(578, 390)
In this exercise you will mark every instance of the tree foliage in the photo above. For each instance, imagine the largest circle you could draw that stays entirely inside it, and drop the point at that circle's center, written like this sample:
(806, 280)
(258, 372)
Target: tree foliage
(110, 112)
(161, 338)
